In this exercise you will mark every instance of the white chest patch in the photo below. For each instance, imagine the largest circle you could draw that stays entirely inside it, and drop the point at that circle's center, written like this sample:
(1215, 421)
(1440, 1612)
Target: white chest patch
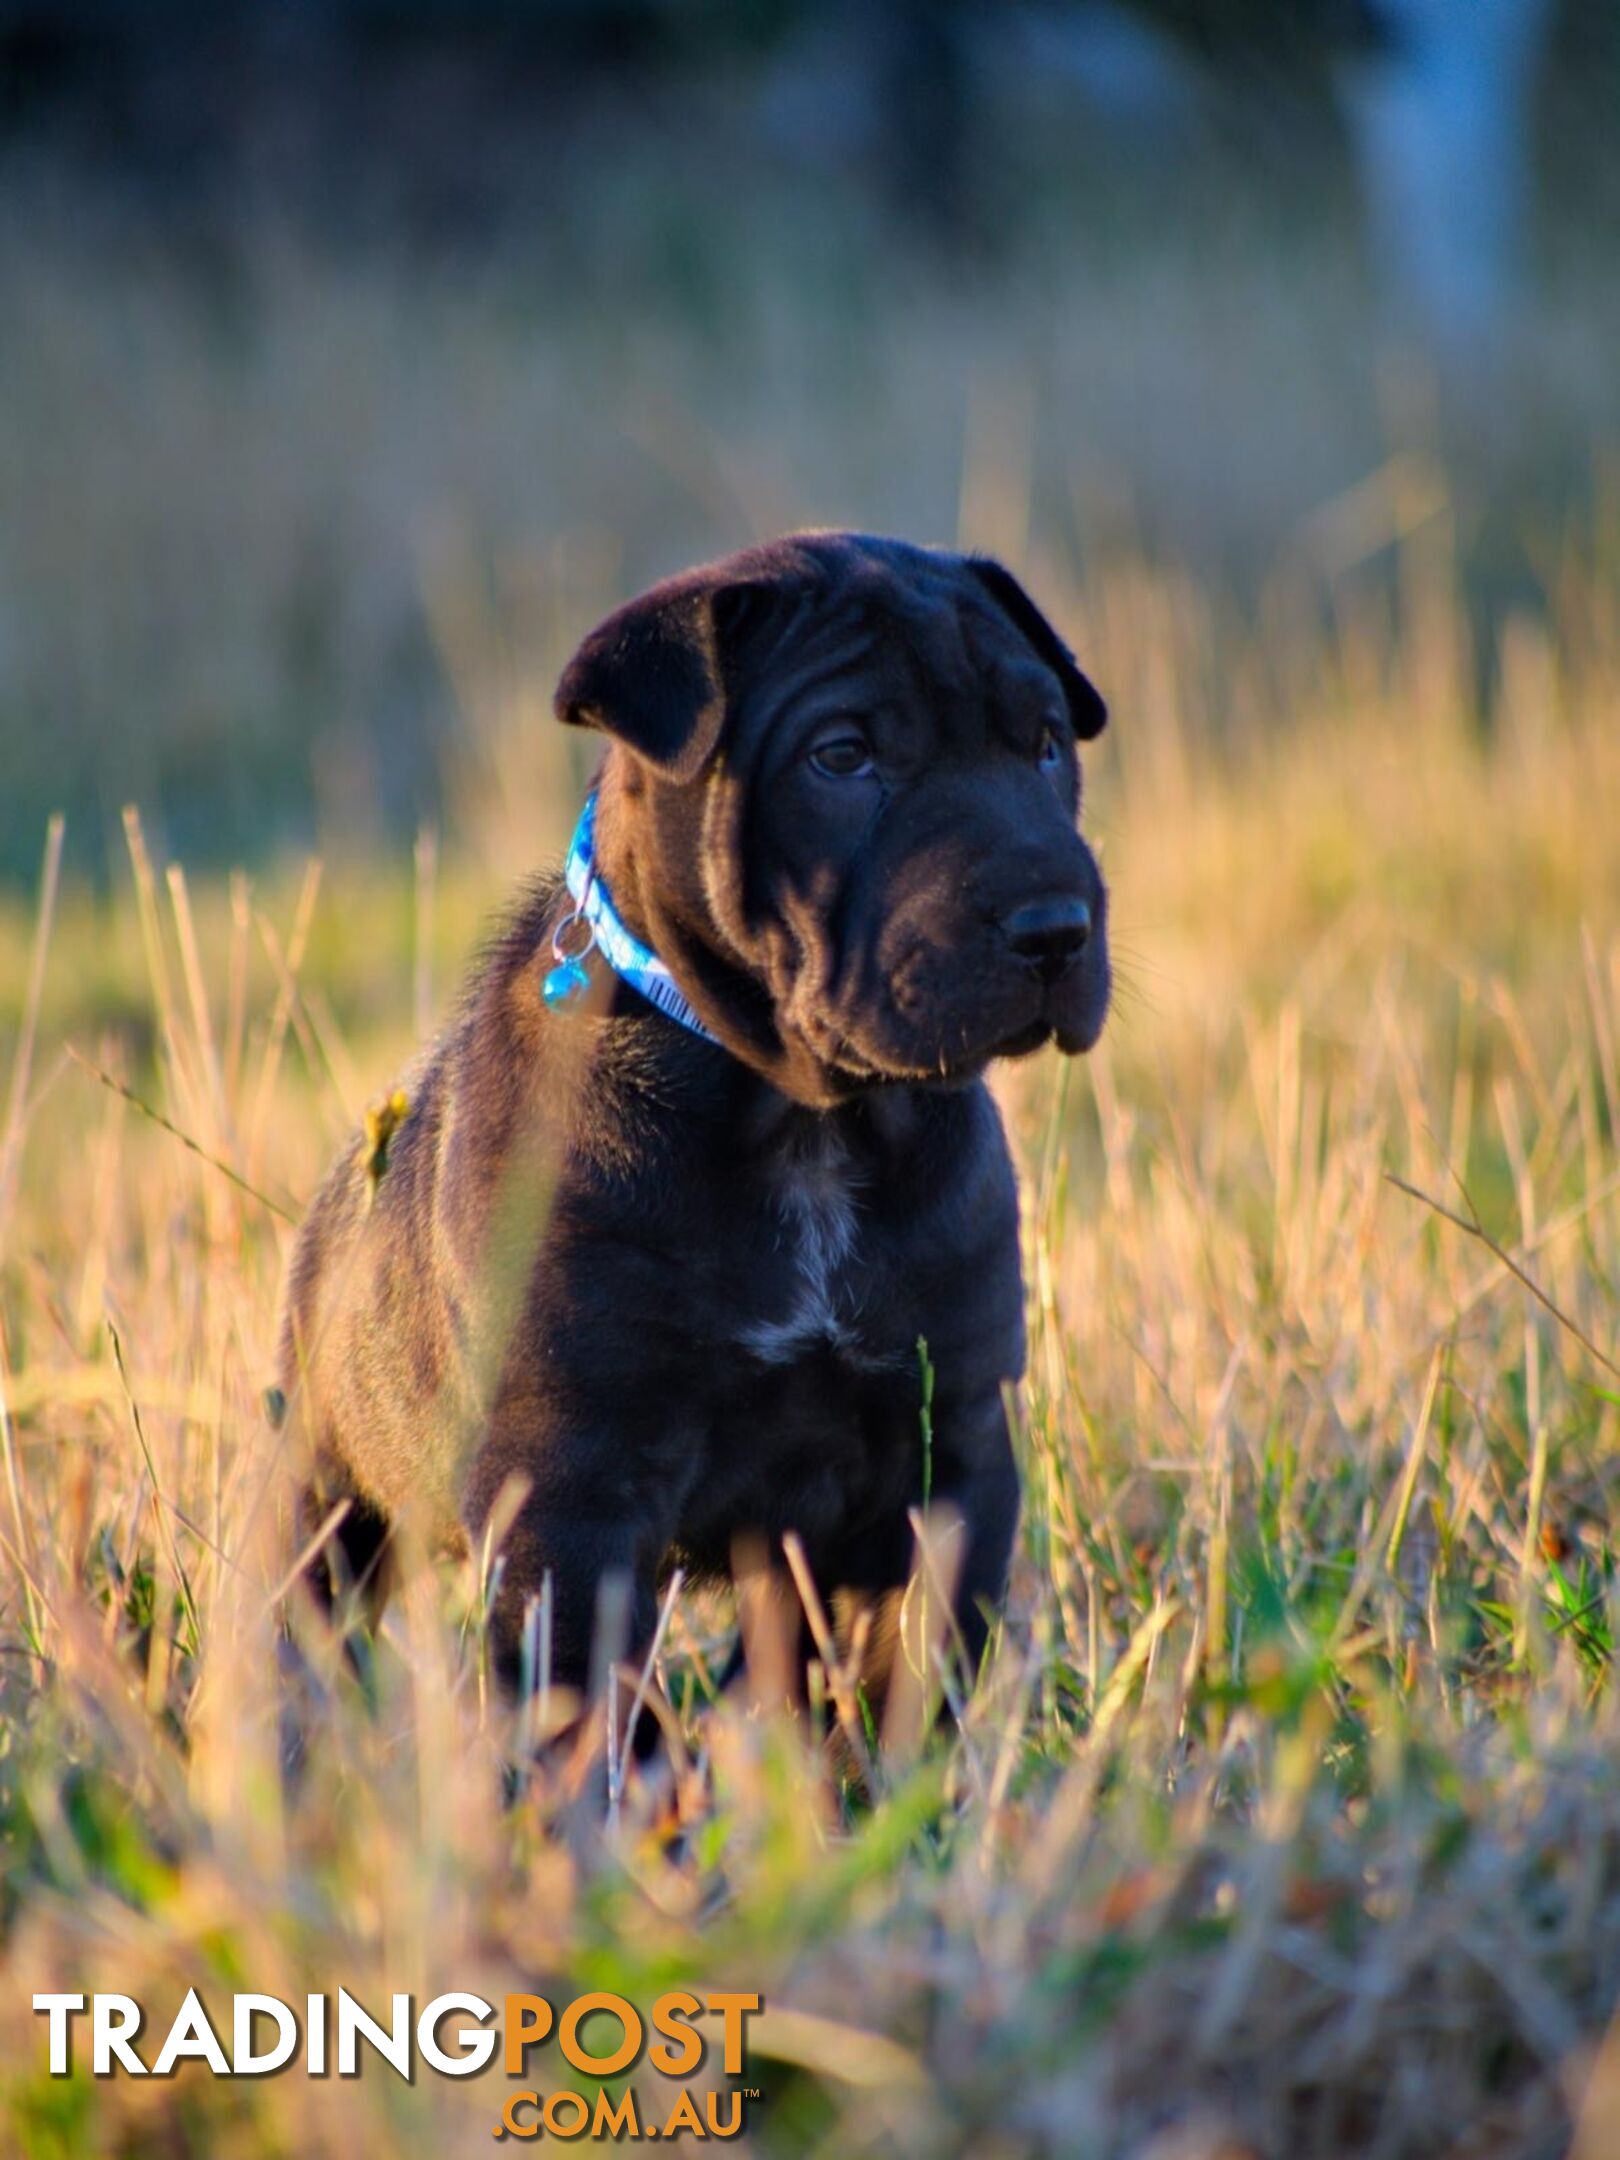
(816, 1198)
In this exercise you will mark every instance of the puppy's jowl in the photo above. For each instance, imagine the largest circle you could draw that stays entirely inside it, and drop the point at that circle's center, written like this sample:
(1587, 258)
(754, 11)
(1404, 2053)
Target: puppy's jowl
(708, 1147)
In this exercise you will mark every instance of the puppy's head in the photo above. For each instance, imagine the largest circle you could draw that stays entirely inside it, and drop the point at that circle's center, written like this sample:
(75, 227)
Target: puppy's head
(841, 797)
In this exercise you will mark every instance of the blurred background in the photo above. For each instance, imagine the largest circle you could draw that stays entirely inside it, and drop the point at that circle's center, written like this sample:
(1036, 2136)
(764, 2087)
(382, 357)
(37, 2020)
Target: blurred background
(355, 354)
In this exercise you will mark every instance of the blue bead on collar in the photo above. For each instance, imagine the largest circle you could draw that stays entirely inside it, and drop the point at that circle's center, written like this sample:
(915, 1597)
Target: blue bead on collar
(593, 925)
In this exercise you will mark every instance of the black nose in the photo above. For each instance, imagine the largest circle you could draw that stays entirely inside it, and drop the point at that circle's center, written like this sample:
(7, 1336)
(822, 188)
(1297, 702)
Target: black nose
(1049, 932)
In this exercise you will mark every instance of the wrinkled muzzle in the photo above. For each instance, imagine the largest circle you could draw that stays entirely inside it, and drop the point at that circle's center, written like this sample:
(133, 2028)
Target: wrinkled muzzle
(951, 959)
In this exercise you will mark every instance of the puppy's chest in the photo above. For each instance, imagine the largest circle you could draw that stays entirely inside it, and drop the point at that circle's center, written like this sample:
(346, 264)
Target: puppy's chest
(820, 1277)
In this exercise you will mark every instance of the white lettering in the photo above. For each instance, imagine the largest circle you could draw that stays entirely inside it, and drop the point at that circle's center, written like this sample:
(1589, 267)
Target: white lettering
(355, 2024)
(475, 2048)
(59, 2008)
(192, 2035)
(108, 2039)
(243, 2059)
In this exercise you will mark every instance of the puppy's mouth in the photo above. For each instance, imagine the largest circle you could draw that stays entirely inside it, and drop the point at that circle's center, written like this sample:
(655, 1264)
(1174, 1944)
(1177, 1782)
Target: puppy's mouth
(1055, 1021)
(912, 1039)
(969, 1063)
(1075, 1041)
(1025, 1039)
(1072, 1041)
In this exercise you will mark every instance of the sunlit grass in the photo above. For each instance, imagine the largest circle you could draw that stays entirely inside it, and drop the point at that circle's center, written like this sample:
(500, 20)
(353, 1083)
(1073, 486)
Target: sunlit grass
(1286, 1812)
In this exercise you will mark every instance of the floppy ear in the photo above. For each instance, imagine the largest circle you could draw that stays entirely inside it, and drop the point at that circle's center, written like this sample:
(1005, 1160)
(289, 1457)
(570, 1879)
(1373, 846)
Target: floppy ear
(651, 675)
(1087, 712)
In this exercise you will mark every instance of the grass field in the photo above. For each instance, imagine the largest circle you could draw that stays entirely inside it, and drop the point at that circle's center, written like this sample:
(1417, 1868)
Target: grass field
(1286, 1821)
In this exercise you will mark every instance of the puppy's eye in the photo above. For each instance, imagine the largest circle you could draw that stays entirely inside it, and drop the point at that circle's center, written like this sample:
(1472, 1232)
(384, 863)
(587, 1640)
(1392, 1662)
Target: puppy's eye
(842, 757)
(1050, 755)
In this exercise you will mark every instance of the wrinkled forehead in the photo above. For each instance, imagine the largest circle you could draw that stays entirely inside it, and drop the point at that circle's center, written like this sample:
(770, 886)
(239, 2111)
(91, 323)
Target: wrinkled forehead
(915, 631)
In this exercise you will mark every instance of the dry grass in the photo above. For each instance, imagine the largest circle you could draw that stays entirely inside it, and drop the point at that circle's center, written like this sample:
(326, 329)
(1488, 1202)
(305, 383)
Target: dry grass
(1285, 1822)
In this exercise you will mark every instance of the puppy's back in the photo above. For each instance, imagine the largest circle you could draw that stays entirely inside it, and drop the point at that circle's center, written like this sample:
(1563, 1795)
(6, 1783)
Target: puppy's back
(410, 1269)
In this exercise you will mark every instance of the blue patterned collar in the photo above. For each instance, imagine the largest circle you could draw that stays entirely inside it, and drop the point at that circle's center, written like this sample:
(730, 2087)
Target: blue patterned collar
(593, 924)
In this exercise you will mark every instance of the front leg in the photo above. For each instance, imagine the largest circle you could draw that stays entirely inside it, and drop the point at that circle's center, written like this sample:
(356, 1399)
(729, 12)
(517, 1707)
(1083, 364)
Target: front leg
(575, 1522)
(974, 1477)
(974, 1472)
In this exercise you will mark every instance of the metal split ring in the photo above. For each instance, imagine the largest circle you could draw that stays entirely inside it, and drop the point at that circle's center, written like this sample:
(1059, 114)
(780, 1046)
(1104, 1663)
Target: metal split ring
(559, 937)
